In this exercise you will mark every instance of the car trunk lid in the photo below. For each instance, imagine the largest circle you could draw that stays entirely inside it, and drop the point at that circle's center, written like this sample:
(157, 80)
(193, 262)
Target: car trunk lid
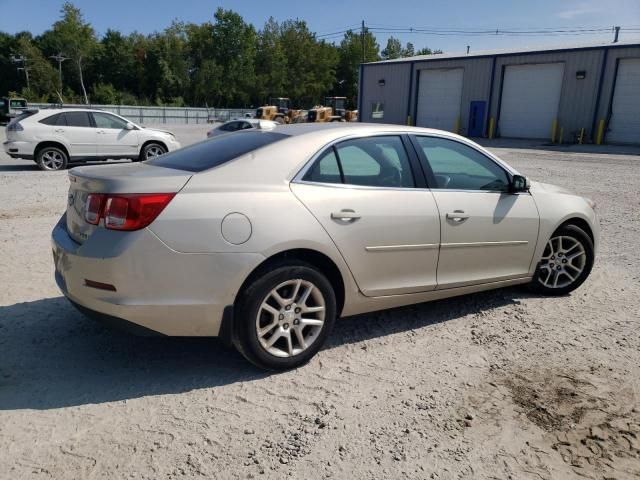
(136, 178)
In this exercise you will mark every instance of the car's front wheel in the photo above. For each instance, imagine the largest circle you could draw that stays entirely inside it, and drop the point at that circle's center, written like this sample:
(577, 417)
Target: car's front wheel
(152, 150)
(51, 158)
(283, 317)
(566, 262)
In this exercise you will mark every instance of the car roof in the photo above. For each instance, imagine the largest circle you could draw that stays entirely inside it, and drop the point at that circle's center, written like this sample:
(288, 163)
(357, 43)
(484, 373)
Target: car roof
(339, 129)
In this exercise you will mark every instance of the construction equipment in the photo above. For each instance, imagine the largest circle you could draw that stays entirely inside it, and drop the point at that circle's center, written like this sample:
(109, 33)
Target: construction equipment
(340, 110)
(333, 110)
(279, 110)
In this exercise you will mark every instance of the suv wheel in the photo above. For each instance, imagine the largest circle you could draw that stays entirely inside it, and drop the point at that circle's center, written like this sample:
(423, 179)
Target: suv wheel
(152, 150)
(51, 158)
(284, 317)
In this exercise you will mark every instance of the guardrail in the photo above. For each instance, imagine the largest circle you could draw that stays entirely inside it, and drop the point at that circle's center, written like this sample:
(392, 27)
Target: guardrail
(167, 115)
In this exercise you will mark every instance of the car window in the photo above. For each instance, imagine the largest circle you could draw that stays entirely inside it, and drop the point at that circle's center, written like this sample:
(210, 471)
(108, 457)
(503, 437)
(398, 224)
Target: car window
(325, 169)
(104, 120)
(230, 127)
(17, 103)
(78, 119)
(246, 125)
(216, 151)
(459, 167)
(375, 161)
(58, 119)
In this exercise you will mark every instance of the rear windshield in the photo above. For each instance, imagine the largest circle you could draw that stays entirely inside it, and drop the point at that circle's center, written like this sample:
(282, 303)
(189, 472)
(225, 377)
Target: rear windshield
(216, 151)
(23, 115)
(17, 103)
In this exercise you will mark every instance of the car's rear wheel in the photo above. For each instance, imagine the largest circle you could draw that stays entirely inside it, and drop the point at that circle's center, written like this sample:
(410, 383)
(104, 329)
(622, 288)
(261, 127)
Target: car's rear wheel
(152, 150)
(283, 317)
(566, 262)
(51, 158)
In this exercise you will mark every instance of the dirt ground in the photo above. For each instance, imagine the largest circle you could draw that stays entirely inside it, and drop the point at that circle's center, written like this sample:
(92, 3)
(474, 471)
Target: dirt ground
(502, 385)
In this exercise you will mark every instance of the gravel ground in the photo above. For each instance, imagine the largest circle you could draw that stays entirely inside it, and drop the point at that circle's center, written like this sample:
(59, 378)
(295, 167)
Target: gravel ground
(501, 384)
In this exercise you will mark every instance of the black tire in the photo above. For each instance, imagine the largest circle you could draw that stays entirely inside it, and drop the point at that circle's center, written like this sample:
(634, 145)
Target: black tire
(580, 236)
(152, 150)
(248, 308)
(52, 159)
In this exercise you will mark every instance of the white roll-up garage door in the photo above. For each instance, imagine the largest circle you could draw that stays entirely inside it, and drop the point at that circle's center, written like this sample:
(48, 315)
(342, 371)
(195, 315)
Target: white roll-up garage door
(624, 125)
(530, 99)
(439, 98)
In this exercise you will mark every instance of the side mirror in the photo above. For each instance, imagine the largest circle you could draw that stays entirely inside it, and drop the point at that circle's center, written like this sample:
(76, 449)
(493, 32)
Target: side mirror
(130, 126)
(520, 184)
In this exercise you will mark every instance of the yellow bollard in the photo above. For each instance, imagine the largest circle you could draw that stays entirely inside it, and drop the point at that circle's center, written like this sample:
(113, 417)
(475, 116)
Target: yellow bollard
(554, 130)
(561, 136)
(581, 137)
(600, 133)
(409, 120)
(491, 125)
(457, 126)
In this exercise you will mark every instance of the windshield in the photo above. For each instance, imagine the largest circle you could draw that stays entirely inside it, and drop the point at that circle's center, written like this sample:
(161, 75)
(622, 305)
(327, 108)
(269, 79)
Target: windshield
(217, 150)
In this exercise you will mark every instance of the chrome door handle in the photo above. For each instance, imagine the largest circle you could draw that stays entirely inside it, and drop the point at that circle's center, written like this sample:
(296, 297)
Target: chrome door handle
(345, 214)
(457, 216)
(59, 130)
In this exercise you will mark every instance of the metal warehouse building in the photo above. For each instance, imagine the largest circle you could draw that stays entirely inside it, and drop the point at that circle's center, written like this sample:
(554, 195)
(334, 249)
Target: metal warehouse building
(547, 94)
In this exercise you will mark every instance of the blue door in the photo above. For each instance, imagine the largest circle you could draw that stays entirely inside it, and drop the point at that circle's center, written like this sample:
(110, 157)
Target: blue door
(476, 119)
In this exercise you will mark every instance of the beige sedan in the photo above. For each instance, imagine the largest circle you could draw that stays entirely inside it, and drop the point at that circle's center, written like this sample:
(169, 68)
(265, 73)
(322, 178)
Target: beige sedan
(265, 237)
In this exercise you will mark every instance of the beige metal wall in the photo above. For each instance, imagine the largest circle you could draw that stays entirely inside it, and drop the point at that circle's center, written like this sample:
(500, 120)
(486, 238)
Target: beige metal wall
(578, 96)
(580, 101)
(394, 94)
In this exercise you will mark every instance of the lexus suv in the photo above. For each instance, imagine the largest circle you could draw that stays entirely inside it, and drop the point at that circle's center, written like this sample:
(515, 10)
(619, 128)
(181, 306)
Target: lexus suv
(55, 138)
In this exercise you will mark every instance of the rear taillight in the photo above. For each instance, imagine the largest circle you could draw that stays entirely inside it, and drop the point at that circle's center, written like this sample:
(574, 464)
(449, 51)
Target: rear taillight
(93, 208)
(126, 212)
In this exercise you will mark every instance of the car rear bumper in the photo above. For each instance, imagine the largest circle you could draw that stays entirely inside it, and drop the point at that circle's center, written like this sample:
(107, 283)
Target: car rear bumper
(18, 149)
(157, 290)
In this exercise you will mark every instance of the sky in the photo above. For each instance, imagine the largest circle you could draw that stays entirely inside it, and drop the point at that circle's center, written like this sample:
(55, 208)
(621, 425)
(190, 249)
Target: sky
(327, 17)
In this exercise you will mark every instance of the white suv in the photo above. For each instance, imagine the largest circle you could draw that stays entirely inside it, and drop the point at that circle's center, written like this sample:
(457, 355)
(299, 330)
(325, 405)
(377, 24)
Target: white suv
(54, 138)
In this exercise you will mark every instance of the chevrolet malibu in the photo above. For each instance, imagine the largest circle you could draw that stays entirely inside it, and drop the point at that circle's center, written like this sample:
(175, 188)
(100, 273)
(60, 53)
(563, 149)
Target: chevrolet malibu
(266, 237)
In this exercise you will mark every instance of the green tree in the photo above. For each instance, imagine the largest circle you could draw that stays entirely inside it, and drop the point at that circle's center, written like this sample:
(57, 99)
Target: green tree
(392, 50)
(43, 80)
(271, 63)
(427, 51)
(350, 57)
(235, 51)
(75, 39)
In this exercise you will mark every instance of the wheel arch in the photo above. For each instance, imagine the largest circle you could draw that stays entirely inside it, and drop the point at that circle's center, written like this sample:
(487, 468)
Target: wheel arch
(313, 257)
(581, 223)
(51, 143)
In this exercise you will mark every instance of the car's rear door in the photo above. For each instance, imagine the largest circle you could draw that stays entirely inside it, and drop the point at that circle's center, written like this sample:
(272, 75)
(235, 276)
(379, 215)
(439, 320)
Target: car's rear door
(114, 140)
(79, 133)
(369, 195)
(488, 233)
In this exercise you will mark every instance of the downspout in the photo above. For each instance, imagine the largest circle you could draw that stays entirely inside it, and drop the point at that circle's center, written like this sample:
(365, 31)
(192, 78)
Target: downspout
(599, 95)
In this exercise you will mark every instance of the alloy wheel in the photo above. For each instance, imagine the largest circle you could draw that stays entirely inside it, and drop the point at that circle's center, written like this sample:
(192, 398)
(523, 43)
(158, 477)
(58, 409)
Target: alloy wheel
(563, 260)
(52, 160)
(153, 151)
(290, 318)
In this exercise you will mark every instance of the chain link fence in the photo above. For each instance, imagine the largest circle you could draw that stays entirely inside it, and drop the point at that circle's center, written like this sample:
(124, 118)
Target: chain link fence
(165, 115)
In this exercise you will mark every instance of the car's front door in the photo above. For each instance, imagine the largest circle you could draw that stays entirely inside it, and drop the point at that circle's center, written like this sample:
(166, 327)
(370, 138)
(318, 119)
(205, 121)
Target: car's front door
(363, 191)
(488, 234)
(114, 139)
(79, 133)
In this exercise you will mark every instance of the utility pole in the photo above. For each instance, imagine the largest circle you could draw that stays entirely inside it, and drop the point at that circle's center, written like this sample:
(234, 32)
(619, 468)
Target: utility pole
(21, 59)
(362, 41)
(59, 58)
(617, 32)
